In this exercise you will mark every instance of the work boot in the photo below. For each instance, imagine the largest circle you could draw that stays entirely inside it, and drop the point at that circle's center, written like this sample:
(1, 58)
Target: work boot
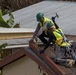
(70, 62)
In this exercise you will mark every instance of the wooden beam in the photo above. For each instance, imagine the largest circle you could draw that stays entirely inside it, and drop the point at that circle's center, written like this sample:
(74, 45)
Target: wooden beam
(15, 33)
(47, 59)
(19, 33)
(44, 67)
(23, 52)
(5, 36)
(12, 57)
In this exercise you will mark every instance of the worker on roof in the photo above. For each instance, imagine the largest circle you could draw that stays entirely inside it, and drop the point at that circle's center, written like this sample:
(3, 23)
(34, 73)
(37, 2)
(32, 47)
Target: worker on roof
(41, 29)
(56, 36)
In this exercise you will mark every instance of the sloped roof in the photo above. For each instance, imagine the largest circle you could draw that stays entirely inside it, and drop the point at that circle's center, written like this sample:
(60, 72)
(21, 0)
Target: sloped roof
(66, 11)
(49, 55)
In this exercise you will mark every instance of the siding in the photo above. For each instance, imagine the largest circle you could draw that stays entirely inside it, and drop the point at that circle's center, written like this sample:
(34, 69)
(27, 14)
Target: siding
(23, 66)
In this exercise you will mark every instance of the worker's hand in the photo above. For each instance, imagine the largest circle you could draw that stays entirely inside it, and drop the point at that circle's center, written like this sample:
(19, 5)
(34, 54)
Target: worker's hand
(41, 51)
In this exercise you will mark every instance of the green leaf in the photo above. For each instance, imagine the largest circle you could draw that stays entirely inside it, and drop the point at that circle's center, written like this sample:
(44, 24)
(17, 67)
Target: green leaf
(1, 15)
(16, 26)
(11, 19)
(4, 24)
(9, 23)
(11, 16)
(3, 46)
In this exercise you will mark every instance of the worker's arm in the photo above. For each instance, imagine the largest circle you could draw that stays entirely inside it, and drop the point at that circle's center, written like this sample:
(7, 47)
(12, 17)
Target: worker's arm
(51, 40)
(35, 32)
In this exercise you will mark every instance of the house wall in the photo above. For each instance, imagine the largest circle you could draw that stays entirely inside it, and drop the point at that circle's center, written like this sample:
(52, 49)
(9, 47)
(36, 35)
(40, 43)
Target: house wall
(23, 66)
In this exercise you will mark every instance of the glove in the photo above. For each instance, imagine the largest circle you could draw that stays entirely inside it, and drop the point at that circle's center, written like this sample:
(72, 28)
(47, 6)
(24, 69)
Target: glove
(41, 51)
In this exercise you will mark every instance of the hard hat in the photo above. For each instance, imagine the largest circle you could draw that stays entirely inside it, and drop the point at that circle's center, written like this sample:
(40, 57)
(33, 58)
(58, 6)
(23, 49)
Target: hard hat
(39, 16)
(49, 25)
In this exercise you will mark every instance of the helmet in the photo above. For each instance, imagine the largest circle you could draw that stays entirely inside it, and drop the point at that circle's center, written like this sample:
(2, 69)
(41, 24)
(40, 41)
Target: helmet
(39, 16)
(49, 25)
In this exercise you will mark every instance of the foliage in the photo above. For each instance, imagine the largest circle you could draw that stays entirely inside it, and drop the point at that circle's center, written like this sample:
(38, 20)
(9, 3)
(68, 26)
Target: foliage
(17, 25)
(13, 5)
(1, 15)
(9, 23)
(3, 46)
(1, 49)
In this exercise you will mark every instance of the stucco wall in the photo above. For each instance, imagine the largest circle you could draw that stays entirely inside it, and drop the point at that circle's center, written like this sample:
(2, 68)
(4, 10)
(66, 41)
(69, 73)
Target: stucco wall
(23, 66)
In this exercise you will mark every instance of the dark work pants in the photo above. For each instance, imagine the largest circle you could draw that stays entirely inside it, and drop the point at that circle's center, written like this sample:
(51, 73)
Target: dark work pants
(68, 50)
(42, 37)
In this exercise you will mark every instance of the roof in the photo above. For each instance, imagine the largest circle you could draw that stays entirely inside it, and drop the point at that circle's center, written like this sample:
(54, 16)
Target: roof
(23, 52)
(27, 16)
(43, 60)
(49, 55)
(66, 11)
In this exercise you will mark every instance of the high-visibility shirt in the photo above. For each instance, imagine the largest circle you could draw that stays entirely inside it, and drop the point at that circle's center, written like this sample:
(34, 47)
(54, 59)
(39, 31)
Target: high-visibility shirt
(57, 37)
(45, 21)
(60, 41)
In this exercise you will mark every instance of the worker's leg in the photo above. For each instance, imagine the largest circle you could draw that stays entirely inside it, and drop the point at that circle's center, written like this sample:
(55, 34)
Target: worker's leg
(59, 57)
(42, 38)
(72, 53)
